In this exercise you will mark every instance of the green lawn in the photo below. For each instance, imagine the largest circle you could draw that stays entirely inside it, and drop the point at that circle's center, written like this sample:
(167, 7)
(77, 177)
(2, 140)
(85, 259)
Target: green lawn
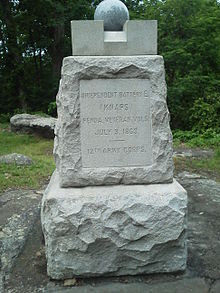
(38, 149)
(192, 139)
(207, 167)
(209, 164)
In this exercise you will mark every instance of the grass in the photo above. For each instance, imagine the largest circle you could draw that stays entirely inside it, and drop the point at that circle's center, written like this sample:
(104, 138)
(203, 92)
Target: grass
(38, 149)
(192, 139)
(210, 164)
(208, 167)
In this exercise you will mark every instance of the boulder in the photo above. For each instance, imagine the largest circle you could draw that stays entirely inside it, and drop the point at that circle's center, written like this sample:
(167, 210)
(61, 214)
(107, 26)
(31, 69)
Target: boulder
(26, 123)
(17, 159)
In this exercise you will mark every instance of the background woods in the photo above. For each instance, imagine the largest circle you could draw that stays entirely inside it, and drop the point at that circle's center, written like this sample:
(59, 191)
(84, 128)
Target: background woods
(35, 36)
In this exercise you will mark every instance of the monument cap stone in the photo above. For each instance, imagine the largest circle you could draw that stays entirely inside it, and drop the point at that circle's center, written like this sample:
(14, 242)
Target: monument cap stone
(113, 34)
(114, 13)
(139, 37)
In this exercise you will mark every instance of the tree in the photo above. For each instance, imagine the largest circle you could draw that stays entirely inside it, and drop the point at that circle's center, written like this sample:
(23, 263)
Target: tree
(189, 40)
(35, 36)
(11, 54)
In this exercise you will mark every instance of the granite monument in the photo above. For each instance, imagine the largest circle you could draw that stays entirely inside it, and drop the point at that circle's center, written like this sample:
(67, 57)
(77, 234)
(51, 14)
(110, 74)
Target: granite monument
(112, 206)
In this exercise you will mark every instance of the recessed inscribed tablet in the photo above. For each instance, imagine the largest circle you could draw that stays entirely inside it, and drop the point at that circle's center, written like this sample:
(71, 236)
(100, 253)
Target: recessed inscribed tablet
(115, 123)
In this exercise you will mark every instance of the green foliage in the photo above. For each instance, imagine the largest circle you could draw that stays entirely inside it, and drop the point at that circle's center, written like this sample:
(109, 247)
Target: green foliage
(209, 138)
(205, 114)
(40, 150)
(189, 40)
(35, 36)
(5, 117)
(52, 109)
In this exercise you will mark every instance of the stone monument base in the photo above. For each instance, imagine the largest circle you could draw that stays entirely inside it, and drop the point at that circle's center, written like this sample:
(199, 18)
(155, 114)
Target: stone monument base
(114, 230)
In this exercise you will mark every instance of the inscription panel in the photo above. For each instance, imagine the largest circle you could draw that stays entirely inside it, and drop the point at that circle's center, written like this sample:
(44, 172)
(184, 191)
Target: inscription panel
(115, 124)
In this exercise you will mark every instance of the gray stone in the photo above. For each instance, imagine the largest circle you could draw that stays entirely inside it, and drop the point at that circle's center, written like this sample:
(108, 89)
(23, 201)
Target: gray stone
(137, 38)
(203, 226)
(19, 210)
(194, 285)
(17, 159)
(114, 230)
(186, 175)
(139, 75)
(114, 14)
(192, 153)
(43, 126)
(215, 287)
(186, 154)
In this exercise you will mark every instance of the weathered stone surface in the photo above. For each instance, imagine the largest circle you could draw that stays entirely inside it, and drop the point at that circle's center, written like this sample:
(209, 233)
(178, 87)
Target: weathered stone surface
(43, 126)
(215, 288)
(67, 148)
(203, 225)
(19, 210)
(114, 230)
(194, 285)
(17, 159)
(192, 153)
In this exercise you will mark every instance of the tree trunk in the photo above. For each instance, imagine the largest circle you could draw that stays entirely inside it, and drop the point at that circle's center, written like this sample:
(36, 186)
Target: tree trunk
(13, 56)
(57, 50)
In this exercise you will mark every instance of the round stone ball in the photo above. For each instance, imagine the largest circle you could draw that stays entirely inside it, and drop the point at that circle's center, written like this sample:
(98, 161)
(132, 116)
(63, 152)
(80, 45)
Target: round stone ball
(114, 14)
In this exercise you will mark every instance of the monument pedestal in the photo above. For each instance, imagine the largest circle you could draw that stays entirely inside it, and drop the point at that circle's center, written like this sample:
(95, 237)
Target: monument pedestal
(113, 122)
(114, 230)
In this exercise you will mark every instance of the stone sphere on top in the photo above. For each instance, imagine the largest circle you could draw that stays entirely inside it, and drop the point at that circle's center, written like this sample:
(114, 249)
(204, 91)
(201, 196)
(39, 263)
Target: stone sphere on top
(114, 14)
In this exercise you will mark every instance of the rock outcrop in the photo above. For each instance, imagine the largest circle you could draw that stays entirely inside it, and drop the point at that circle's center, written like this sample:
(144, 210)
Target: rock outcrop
(17, 159)
(26, 123)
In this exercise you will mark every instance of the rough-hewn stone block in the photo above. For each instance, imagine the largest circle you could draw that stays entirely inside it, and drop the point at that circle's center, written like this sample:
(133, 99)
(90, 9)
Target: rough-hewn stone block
(114, 230)
(137, 146)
